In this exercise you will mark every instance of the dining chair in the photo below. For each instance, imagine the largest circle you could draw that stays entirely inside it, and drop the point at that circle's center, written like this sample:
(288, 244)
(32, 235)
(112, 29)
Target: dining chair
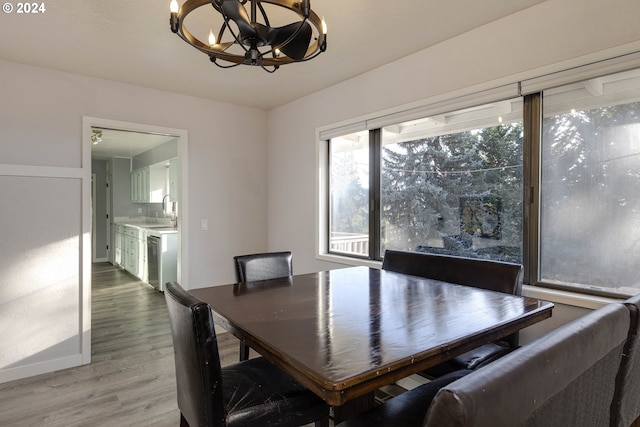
(480, 273)
(249, 393)
(261, 266)
(627, 402)
(565, 378)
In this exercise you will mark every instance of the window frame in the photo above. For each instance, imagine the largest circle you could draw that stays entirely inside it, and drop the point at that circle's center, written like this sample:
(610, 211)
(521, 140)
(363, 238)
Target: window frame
(531, 91)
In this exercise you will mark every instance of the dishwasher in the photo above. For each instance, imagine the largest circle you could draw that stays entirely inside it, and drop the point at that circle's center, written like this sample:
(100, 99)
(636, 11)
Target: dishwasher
(153, 261)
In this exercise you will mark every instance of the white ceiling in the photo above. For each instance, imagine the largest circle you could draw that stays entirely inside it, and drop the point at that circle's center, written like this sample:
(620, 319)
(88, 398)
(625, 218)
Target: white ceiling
(119, 143)
(130, 41)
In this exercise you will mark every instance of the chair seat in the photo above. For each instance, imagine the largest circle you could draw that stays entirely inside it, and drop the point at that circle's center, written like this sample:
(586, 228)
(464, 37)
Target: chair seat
(407, 409)
(472, 359)
(257, 393)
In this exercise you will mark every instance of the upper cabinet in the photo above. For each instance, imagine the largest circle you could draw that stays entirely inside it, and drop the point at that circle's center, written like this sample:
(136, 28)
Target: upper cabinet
(173, 179)
(149, 184)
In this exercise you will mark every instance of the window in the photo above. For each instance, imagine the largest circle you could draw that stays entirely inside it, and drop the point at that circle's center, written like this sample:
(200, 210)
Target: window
(452, 184)
(550, 180)
(590, 185)
(449, 184)
(349, 195)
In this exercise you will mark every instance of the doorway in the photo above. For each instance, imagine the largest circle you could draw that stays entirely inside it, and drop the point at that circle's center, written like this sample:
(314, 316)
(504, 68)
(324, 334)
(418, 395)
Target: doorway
(134, 139)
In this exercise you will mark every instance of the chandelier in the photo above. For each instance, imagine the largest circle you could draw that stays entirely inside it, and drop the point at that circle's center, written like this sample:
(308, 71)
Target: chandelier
(247, 37)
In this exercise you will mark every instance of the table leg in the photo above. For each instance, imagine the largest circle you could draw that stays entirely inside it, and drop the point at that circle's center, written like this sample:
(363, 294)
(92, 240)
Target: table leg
(353, 407)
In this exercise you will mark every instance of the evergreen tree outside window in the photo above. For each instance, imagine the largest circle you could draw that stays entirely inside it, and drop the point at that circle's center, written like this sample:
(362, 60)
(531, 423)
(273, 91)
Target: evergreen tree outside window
(454, 192)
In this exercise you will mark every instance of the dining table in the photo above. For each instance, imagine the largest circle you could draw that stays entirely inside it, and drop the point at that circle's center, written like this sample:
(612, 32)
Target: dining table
(347, 332)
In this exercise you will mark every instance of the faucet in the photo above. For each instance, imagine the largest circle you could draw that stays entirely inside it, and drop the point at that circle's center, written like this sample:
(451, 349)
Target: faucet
(164, 210)
(174, 216)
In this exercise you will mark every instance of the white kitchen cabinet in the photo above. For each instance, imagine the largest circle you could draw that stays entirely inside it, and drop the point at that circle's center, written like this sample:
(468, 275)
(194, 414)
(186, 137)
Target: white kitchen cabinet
(133, 250)
(118, 244)
(173, 179)
(148, 184)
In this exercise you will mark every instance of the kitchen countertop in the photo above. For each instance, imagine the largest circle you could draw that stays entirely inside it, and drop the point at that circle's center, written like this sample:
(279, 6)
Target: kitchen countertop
(151, 228)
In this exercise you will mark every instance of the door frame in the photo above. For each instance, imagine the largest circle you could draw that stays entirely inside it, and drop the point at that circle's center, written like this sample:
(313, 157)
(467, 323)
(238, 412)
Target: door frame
(183, 223)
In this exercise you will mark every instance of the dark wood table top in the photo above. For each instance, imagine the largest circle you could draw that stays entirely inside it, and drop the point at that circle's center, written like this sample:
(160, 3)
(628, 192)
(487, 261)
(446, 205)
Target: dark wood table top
(344, 333)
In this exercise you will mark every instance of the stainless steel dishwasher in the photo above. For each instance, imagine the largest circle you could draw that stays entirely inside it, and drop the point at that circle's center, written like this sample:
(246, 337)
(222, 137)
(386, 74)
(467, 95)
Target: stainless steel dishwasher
(153, 261)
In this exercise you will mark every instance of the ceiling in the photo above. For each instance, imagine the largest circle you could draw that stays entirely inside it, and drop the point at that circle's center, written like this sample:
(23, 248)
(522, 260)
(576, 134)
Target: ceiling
(130, 41)
(118, 143)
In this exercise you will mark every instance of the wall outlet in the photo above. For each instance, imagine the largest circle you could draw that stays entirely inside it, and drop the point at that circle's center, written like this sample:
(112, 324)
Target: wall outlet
(204, 224)
(139, 210)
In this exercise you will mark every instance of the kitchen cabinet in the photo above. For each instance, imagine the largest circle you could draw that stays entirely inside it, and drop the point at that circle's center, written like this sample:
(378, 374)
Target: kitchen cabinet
(131, 252)
(118, 244)
(148, 184)
(173, 179)
(130, 247)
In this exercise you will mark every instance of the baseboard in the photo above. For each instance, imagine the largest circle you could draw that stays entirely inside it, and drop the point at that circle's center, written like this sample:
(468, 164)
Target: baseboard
(20, 372)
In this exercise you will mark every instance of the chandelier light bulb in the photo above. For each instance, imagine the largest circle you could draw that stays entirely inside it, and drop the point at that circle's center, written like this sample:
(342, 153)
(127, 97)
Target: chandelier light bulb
(212, 38)
(173, 6)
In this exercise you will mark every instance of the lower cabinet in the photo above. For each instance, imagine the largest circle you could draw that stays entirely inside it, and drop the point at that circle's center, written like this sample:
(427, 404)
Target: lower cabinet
(131, 250)
(131, 254)
(118, 245)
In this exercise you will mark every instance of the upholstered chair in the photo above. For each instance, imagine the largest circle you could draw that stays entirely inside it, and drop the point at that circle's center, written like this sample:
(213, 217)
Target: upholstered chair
(262, 266)
(627, 402)
(249, 393)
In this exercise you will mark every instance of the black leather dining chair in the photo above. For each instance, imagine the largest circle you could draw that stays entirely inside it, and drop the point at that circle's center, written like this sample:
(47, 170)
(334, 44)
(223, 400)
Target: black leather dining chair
(262, 266)
(249, 393)
(479, 273)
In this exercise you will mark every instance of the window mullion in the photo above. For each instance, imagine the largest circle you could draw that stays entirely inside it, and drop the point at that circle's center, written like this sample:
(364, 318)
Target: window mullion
(531, 186)
(375, 142)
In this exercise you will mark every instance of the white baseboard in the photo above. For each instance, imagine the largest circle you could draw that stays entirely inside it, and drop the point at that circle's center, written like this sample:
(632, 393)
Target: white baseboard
(19, 372)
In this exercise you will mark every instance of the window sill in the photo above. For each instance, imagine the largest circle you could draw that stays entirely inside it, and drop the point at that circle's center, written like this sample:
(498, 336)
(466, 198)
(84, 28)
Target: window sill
(567, 298)
(339, 259)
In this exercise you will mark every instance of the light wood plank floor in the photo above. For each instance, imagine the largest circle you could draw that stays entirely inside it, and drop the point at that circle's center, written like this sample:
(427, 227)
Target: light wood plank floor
(131, 379)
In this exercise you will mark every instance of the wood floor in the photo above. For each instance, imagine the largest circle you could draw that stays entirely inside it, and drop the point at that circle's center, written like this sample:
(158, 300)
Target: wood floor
(131, 379)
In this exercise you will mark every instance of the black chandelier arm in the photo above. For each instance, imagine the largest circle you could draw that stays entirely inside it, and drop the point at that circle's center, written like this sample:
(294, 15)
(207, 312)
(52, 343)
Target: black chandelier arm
(264, 15)
(275, 68)
(231, 64)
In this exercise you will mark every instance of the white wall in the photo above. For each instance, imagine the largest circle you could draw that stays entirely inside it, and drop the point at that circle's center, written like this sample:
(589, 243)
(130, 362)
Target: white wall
(41, 117)
(549, 37)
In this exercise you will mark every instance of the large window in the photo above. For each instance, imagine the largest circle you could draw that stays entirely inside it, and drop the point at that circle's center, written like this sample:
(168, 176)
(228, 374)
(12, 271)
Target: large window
(453, 184)
(448, 184)
(590, 185)
(550, 180)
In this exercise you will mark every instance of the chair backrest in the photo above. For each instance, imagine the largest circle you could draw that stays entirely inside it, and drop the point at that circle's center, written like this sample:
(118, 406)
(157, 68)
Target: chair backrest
(626, 406)
(198, 371)
(480, 273)
(264, 266)
(564, 378)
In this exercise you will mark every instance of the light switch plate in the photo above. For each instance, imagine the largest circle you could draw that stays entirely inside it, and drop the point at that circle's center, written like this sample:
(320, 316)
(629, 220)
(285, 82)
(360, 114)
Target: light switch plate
(204, 224)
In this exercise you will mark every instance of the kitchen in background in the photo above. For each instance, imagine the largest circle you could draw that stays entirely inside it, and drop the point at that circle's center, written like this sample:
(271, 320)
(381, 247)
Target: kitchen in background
(135, 201)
